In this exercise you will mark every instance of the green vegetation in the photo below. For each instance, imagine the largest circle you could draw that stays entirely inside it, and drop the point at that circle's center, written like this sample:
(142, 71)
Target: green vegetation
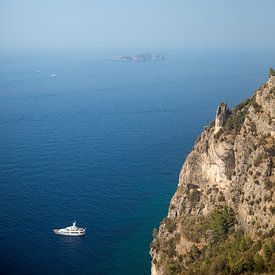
(174, 268)
(243, 104)
(256, 106)
(227, 251)
(221, 220)
(271, 72)
(236, 254)
(193, 255)
(170, 224)
(236, 119)
(194, 228)
(231, 252)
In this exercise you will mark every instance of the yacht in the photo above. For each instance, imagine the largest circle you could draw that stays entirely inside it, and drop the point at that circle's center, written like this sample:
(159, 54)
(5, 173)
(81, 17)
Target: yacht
(72, 230)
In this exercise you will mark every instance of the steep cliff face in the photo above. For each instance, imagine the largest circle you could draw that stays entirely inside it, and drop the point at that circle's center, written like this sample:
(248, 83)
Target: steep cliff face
(227, 180)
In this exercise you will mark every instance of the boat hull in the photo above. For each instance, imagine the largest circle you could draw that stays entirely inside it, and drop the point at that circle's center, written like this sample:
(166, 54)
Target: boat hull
(72, 234)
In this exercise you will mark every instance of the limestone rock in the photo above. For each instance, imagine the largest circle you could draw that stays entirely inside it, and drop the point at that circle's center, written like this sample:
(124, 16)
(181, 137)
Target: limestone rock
(232, 164)
(221, 116)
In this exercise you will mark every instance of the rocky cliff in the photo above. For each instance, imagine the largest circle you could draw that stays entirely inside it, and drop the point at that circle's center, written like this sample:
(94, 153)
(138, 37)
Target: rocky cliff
(221, 218)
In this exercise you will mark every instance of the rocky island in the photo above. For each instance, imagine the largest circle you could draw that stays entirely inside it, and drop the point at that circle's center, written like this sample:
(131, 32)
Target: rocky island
(139, 57)
(221, 218)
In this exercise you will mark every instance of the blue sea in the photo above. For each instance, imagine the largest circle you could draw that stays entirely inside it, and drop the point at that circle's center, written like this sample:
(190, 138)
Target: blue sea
(102, 143)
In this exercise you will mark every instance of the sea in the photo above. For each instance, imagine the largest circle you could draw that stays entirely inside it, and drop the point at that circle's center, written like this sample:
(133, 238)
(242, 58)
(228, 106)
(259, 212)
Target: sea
(102, 143)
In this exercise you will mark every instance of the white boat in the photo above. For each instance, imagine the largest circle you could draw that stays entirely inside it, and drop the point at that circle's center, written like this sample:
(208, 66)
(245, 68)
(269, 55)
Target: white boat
(72, 230)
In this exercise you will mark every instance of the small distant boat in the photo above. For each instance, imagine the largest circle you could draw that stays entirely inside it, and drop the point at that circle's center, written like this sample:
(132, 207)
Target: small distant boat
(72, 230)
(52, 75)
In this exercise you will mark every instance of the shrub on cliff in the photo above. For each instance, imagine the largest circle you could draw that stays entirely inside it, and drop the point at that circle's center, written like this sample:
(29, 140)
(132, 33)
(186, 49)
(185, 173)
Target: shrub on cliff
(243, 104)
(235, 121)
(237, 117)
(170, 224)
(271, 72)
(174, 268)
(194, 228)
(232, 252)
(221, 220)
(269, 251)
(235, 254)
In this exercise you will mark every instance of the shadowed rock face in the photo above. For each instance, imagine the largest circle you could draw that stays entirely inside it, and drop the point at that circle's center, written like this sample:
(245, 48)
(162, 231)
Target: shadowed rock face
(221, 116)
(231, 164)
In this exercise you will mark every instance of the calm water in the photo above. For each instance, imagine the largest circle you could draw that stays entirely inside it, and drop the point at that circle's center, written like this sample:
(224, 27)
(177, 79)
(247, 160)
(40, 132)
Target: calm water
(102, 143)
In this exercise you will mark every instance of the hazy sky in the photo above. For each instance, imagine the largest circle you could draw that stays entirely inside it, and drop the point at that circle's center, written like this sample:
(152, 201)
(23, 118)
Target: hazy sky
(140, 23)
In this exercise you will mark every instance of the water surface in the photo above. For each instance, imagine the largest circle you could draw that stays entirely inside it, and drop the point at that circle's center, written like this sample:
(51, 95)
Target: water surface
(102, 143)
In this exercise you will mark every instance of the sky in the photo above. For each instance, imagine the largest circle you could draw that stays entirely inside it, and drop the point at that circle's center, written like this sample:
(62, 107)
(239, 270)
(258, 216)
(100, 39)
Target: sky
(138, 23)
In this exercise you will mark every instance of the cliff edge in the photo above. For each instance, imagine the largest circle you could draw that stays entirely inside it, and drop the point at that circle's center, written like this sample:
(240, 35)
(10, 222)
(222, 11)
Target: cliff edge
(221, 218)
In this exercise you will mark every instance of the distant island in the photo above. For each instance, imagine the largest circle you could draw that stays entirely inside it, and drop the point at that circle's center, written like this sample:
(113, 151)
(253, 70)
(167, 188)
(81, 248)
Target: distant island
(139, 57)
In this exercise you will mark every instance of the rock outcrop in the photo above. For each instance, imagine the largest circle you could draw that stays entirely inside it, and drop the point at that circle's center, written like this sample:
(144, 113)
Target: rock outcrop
(221, 116)
(226, 186)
